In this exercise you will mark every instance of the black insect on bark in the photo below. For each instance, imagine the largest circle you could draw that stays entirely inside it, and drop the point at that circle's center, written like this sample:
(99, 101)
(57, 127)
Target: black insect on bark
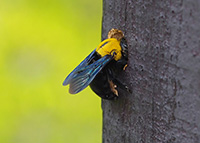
(163, 72)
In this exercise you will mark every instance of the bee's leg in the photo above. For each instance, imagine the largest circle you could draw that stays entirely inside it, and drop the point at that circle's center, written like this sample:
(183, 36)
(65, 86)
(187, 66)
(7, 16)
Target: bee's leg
(117, 82)
(121, 85)
(122, 64)
(124, 68)
(113, 86)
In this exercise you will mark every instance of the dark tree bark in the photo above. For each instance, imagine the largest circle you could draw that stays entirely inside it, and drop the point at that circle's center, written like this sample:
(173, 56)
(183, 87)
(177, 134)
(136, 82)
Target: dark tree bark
(163, 72)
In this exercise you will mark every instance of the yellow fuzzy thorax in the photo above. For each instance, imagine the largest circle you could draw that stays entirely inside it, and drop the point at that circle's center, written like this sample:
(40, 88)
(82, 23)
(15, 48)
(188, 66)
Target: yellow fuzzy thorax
(110, 46)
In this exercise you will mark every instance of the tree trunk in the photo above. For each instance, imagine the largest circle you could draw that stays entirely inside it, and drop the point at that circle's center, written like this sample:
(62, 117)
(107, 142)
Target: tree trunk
(163, 72)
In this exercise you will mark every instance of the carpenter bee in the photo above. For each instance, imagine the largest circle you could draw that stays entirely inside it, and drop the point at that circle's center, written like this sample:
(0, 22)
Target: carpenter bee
(101, 68)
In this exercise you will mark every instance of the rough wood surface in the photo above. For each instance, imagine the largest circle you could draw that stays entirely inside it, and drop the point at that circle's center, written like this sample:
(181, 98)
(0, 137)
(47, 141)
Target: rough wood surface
(163, 72)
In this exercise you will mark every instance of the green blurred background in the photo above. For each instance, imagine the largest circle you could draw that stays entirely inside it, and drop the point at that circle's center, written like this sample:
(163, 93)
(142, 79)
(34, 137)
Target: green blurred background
(41, 41)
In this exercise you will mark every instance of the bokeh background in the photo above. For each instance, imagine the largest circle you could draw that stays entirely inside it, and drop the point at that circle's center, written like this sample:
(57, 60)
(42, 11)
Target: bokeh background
(41, 41)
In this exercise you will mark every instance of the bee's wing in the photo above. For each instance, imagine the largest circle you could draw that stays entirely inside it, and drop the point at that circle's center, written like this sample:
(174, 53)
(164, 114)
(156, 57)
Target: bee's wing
(84, 76)
(84, 63)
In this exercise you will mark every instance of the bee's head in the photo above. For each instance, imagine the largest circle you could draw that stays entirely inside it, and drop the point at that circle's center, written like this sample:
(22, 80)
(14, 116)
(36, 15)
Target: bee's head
(115, 33)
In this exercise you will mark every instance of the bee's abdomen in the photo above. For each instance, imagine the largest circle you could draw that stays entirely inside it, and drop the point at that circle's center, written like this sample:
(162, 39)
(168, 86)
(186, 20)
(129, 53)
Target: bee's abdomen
(101, 86)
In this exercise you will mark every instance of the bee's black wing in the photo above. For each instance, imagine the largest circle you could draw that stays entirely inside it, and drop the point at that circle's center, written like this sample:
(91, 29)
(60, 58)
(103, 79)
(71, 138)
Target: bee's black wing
(85, 75)
(84, 63)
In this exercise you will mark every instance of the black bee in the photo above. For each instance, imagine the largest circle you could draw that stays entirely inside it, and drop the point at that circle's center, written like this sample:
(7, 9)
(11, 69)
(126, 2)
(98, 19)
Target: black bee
(100, 69)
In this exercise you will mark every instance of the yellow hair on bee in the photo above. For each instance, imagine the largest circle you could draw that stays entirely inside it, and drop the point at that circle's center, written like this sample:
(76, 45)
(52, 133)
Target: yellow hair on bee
(111, 46)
